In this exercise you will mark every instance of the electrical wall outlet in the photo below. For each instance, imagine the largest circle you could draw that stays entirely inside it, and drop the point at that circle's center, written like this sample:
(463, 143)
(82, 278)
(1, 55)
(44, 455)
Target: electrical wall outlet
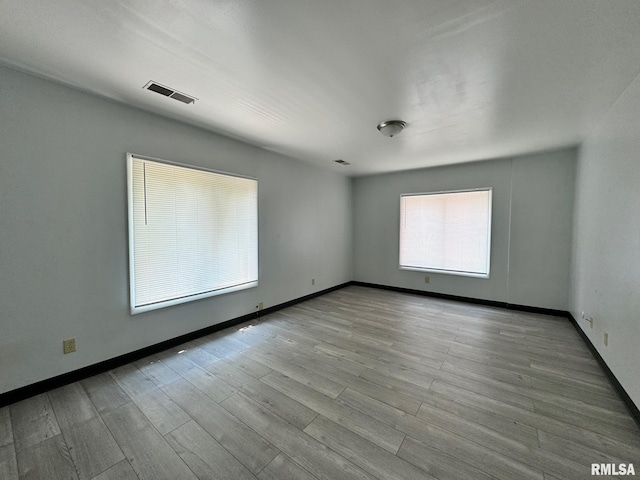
(313, 281)
(606, 339)
(590, 320)
(426, 279)
(260, 306)
(69, 345)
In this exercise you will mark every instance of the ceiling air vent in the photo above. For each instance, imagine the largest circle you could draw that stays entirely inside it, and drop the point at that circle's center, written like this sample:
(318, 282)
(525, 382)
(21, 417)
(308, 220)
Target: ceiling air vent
(342, 162)
(169, 92)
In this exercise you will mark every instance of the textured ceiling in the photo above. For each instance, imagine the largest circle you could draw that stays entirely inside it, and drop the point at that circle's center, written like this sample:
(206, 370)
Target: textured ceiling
(474, 79)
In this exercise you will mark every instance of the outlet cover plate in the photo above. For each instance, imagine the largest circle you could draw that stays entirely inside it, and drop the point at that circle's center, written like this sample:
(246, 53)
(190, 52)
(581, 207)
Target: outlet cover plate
(69, 345)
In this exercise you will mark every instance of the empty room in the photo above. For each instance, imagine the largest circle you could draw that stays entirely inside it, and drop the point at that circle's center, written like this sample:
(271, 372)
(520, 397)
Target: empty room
(319, 240)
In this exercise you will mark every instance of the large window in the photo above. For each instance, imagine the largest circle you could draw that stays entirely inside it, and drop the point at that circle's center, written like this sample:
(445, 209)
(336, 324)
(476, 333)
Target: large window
(446, 232)
(193, 233)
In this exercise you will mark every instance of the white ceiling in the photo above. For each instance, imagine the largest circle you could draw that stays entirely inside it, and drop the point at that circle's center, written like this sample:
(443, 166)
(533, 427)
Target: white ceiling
(474, 79)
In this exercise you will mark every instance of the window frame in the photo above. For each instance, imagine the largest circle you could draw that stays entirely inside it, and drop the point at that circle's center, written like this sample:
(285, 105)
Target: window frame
(486, 275)
(131, 239)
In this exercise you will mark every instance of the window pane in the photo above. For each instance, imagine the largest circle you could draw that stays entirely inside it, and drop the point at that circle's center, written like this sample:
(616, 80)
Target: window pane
(193, 233)
(448, 232)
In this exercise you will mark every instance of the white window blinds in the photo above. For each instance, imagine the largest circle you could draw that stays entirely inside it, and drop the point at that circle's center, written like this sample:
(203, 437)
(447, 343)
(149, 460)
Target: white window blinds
(447, 232)
(192, 233)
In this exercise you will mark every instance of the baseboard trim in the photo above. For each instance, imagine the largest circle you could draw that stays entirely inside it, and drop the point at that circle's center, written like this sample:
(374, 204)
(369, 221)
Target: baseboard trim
(617, 386)
(43, 386)
(476, 301)
(290, 303)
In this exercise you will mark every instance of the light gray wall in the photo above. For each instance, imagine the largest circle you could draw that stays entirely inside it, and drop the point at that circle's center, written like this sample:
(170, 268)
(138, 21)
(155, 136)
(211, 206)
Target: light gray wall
(605, 282)
(63, 227)
(530, 231)
(540, 246)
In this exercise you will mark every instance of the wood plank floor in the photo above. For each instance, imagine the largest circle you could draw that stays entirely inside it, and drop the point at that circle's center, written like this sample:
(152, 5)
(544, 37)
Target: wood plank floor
(356, 384)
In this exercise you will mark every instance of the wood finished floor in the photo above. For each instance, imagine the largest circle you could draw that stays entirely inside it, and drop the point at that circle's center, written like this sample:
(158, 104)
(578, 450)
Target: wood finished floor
(356, 384)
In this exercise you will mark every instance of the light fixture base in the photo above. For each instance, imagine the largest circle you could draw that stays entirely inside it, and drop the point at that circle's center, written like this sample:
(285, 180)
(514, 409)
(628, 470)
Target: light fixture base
(391, 128)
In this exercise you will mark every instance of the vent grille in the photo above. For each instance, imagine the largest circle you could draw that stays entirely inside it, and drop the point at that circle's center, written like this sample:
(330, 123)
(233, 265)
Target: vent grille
(169, 92)
(154, 87)
(182, 98)
(342, 162)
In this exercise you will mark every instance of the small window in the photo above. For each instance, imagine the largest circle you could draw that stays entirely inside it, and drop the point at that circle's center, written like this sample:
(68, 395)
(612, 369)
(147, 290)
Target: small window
(193, 233)
(446, 232)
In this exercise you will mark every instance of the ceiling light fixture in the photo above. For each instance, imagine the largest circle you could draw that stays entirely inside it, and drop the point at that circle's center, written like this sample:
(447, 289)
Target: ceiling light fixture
(391, 128)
